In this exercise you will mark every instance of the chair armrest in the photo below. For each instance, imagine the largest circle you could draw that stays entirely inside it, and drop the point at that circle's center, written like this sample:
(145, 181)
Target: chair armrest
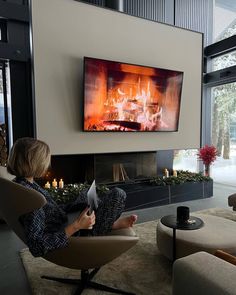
(232, 200)
(91, 252)
(129, 232)
(203, 273)
(4, 174)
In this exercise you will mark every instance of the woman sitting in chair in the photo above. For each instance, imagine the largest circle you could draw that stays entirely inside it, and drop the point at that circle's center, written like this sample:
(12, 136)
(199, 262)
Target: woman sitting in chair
(45, 228)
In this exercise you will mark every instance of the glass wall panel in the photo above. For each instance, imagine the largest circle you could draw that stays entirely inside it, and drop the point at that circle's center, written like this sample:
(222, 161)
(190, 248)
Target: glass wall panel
(2, 112)
(224, 132)
(186, 160)
(9, 109)
(5, 112)
(224, 61)
(224, 19)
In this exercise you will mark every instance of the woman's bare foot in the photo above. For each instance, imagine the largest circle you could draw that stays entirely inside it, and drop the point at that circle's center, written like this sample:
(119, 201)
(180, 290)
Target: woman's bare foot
(125, 222)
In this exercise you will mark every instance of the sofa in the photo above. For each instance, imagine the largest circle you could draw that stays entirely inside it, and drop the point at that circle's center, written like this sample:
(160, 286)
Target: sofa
(203, 273)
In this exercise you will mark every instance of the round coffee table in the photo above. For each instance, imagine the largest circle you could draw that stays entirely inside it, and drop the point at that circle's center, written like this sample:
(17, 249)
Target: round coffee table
(171, 221)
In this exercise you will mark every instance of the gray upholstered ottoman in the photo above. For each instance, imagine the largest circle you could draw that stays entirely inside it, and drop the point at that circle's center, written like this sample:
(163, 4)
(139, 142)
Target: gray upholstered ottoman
(217, 233)
(203, 273)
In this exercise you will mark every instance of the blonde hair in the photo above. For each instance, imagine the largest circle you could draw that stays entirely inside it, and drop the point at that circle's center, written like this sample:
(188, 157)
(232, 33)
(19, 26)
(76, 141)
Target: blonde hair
(29, 157)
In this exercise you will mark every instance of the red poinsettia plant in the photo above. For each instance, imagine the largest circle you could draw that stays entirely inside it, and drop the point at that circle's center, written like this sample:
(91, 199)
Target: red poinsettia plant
(207, 154)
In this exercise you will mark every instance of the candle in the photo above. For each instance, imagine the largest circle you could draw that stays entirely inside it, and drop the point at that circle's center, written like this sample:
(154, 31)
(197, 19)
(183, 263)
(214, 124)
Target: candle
(47, 185)
(54, 183)
(175, 173)
(166, 172)
(61, 183)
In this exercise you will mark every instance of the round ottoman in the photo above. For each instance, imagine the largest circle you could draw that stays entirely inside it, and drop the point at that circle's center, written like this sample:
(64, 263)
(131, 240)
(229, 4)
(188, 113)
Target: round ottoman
(217, 233)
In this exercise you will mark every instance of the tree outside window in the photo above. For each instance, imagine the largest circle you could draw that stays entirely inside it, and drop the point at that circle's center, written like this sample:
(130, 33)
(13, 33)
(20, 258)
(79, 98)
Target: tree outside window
(5, 113)
(224, 115)
(224, 96)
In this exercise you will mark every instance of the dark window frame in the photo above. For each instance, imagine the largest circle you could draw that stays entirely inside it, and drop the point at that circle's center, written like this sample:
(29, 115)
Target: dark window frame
(220, 47)
(225, 75)
(13, 11)
(215, 78)
(17, 51)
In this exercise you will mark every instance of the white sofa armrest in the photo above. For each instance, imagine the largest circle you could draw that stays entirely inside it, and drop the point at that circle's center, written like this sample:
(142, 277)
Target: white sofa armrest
(203, 273)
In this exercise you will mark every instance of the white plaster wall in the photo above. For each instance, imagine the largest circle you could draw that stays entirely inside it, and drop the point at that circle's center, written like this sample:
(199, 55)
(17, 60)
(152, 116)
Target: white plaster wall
(64, 31)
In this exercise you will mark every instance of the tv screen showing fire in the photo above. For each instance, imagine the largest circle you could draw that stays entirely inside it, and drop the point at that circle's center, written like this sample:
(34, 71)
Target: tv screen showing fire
(124, 97)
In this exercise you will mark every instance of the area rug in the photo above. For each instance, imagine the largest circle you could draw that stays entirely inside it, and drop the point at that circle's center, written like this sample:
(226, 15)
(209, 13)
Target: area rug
(141, 270)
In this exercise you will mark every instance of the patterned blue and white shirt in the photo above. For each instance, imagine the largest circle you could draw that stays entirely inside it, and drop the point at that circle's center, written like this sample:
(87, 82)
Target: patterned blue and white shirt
(44, 227)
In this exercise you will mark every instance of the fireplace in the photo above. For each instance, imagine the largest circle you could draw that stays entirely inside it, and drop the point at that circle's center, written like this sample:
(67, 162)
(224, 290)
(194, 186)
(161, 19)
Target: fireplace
(130, 171)
(124, 167)
(105, 168)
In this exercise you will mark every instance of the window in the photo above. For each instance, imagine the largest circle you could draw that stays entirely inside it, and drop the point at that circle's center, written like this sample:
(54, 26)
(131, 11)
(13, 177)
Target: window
(3, 30)
(224, 19)
(5, 112)
(224, 61)
(224, 132)
(186, 160)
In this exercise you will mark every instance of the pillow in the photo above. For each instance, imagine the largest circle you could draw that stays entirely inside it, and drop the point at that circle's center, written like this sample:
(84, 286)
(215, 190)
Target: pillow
(226, 256)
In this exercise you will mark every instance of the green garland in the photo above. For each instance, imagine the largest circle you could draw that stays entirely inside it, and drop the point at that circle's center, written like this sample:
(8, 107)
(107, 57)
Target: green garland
(71, 191)
(182, 177)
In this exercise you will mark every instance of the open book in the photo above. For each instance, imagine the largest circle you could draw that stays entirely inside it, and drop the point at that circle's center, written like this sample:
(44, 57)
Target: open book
(92, 197)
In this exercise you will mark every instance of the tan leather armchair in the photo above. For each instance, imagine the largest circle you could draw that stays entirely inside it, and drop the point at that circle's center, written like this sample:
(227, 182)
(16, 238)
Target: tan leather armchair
(6, 175)
(83, 253)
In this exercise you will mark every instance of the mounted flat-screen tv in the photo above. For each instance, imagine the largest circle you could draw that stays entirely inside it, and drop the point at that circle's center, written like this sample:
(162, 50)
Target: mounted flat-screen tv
(124, 97)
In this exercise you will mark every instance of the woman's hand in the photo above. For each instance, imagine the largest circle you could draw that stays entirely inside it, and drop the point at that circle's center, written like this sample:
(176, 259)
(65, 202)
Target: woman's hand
(84, 221)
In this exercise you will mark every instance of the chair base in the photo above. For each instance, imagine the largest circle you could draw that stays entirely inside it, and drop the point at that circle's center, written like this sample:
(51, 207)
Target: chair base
(85, 282)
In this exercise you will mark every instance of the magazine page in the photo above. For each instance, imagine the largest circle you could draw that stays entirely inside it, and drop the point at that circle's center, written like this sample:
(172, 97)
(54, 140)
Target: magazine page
(92, 197)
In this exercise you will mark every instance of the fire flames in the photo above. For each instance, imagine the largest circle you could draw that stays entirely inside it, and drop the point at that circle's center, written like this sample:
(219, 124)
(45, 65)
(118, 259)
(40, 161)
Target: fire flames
(130, 100)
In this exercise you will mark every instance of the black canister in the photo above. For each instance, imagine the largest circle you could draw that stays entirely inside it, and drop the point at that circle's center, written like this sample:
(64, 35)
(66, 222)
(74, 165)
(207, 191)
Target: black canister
(182, 214)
